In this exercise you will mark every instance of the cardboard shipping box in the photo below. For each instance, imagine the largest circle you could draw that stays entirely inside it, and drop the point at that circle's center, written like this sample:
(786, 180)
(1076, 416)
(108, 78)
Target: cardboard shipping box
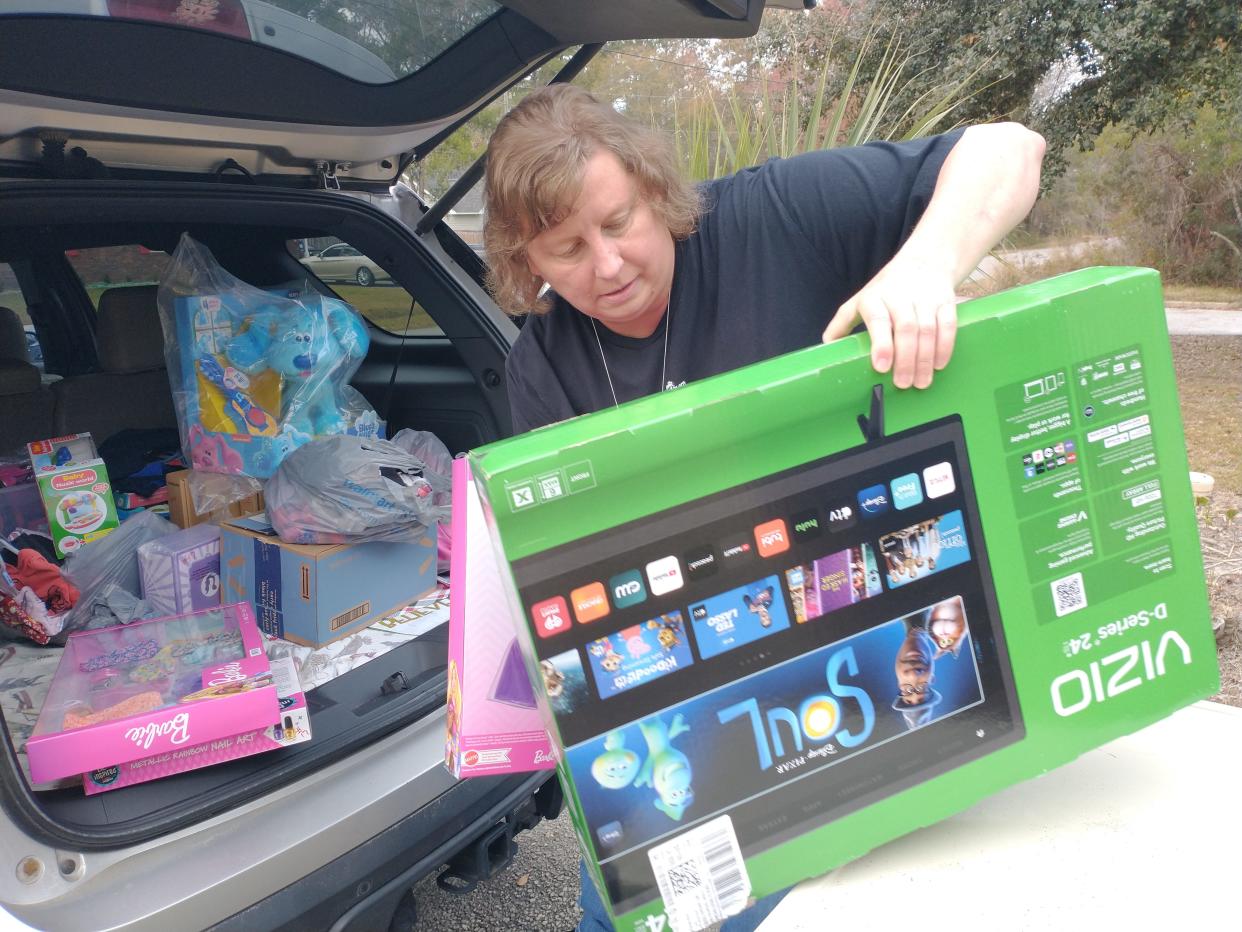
(312, 594)
(789, 641)
(181, 503)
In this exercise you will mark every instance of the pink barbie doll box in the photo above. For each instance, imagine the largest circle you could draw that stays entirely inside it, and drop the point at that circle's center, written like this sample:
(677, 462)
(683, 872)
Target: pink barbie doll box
(493, 722)
(130, 691)
(293, 728)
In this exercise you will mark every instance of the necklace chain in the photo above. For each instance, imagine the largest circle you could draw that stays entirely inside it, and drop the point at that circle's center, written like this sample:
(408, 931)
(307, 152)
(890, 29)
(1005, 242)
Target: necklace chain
(668, 323)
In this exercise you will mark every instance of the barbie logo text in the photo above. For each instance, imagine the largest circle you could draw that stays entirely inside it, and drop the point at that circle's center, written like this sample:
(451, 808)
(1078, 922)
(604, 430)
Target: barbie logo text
(177, 728)
(229, 673)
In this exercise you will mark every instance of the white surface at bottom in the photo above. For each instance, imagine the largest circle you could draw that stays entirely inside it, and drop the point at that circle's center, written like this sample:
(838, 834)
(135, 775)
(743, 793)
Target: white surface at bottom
(1145, 829)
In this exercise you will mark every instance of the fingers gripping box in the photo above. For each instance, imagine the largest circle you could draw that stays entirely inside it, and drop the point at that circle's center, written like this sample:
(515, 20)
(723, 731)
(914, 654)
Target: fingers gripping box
(797, 640)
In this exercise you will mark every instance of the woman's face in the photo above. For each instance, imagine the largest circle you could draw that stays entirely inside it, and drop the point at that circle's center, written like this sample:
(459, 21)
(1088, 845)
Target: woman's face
(611, 257)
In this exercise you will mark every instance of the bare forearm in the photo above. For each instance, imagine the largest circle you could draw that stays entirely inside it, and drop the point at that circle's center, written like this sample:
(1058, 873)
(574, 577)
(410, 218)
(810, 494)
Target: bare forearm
(984, 189)
(986, 186)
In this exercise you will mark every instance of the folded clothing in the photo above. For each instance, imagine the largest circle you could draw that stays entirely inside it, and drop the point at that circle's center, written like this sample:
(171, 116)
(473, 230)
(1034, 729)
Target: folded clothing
(138, 460)
(24, 538)
(132, 500)
(44, 578)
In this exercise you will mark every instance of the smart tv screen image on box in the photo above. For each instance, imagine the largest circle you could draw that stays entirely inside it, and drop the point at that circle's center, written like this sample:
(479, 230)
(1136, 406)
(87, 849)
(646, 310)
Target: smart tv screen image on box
(782, 653)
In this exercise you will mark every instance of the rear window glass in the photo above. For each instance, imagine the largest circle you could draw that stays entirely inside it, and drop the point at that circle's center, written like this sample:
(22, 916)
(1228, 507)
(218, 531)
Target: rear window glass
(11, 292)
(107, 267)
(12, 344)
(365, 284)
(376, 41)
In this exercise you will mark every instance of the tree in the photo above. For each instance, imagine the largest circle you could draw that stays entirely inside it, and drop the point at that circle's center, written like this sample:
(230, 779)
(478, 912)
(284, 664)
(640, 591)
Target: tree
(1143, 64)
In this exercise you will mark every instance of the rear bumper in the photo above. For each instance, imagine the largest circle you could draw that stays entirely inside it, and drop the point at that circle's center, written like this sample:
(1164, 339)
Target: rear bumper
(361, 890)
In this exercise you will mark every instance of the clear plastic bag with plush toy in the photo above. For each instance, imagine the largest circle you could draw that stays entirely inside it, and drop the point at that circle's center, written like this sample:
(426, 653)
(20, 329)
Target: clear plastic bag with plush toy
(257, 373)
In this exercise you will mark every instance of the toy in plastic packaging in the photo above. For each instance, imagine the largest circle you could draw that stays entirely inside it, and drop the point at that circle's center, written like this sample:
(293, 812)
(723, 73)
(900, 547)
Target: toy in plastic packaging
(181, 572)
(294, 727)
(126, 692)
(492, 723)
(339, 490)
(107, 575)
(75, 489)
(256, 374)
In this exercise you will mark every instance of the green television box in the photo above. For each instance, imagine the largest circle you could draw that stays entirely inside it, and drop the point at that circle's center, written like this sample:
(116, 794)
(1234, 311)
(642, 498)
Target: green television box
(769, 643)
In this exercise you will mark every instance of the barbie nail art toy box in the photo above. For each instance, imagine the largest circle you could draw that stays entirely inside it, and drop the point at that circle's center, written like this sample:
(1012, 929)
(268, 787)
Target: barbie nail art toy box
(293, 728)
(130, 691)
(494, 725)
(766, 641)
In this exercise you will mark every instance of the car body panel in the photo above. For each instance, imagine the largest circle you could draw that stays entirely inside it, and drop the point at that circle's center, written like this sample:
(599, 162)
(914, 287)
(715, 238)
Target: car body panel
(275, 840)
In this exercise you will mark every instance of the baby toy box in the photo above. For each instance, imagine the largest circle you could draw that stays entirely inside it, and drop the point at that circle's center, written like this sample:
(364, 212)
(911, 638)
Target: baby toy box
(315, 593)
(796, 635)
(293, 728)
(130, 691)
(76, 493)
(59, 452)
(494, 725)
(181, 572)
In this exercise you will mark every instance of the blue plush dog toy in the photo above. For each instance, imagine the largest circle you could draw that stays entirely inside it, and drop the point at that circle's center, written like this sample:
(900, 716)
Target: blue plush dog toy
(315, 347)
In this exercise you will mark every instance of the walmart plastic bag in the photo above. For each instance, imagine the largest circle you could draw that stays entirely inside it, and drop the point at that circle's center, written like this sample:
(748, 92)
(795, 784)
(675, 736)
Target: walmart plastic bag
(255, 374)
(338, 490)
(429, 448)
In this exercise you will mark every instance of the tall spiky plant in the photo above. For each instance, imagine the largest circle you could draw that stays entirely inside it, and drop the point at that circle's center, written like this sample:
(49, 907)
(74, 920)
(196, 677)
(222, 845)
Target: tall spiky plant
(715, 140)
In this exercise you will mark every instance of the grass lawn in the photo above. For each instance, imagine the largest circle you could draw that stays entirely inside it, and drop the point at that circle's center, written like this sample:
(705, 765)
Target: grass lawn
(386, 306)
(1211, 399)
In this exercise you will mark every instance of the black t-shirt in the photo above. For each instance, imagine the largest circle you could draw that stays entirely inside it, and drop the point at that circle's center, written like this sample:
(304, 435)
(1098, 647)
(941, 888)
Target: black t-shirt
(778, 249)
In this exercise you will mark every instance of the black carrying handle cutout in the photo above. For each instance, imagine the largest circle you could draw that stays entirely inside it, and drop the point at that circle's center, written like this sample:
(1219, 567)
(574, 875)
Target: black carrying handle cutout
(872, 426)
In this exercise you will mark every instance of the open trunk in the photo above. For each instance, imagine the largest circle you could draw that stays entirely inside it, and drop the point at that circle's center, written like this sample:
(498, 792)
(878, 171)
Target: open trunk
(446, 380)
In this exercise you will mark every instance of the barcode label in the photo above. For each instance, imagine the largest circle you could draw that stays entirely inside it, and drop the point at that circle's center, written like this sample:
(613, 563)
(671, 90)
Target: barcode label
(346, 617)
(701, 876)
(1068, 594)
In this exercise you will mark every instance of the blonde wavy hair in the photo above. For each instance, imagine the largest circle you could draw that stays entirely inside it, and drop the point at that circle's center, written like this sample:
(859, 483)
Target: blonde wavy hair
(535, 161)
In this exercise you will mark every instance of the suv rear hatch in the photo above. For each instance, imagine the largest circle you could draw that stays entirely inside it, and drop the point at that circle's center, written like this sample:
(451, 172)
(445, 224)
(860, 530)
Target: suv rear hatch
(169, 93)
(184, 85)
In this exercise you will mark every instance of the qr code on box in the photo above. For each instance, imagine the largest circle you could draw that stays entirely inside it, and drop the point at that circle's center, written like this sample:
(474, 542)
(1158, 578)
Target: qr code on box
(1068, 594)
